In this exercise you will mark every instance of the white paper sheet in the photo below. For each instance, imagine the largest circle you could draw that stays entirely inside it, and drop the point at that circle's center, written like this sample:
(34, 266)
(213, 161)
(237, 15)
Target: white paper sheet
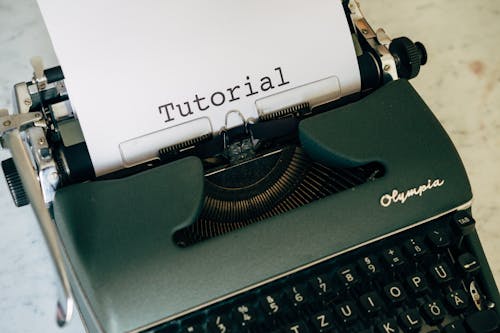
(135, 70)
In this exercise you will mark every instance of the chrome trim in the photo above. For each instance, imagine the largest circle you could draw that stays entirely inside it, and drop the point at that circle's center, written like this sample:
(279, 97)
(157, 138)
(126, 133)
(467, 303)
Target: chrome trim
(20, 155)
(475, 295)
(213, 172)
(39, 77)
(22, 97)
(46, 166)
(295, 270)
(378, 40)
(14, 122)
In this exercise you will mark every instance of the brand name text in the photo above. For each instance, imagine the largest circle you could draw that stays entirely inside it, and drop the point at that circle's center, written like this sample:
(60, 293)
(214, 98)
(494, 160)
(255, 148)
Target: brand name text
(396, 196)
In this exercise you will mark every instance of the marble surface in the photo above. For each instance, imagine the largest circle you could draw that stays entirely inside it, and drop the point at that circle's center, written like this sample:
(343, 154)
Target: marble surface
(461, 83)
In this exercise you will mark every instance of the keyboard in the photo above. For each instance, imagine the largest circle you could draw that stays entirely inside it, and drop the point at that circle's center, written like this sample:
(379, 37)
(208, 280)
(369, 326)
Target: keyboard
(424, 279)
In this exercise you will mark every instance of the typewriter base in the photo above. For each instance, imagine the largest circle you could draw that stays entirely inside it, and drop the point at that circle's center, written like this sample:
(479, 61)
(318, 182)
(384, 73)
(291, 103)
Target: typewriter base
(129, 274)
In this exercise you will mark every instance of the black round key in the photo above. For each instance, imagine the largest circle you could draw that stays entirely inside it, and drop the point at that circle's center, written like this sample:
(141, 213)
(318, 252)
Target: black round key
(458, 300)
(483, 322)
(298, 294)
(395, 292)
(321, 285)
(243, 314)
(371, 302)
(322, 321)
(468, 263)
(417, 283)
(455, 327)
(298, 327)
(347, 275)
(193, 325)
(347, 312)
(433, 312)
(272, 303)
(439, 238)
(415, 247)
(388, 325)
(393, 257)
(464, 222)
(410, 320)
(369, 265)
(219, 324)
(441, 273)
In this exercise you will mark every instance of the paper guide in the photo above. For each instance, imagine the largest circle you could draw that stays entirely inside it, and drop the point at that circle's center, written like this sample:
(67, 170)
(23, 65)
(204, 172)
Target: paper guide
(136, 70)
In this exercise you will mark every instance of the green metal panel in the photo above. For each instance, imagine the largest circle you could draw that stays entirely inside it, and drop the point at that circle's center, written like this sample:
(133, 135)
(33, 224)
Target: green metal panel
(118, 234)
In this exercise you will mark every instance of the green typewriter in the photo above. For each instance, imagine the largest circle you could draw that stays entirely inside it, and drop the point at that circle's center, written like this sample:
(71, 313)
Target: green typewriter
(351, 216)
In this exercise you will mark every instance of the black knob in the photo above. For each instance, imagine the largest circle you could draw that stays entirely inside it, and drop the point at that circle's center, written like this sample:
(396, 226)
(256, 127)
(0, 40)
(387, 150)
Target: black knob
(409, 56)
(14, 182)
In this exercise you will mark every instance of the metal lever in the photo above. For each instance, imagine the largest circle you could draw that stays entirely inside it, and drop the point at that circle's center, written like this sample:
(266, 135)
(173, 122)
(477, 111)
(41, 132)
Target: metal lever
(10, 134)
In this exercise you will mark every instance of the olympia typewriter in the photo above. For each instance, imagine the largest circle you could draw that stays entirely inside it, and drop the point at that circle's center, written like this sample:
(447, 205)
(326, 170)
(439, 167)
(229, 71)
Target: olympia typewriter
(353, 216)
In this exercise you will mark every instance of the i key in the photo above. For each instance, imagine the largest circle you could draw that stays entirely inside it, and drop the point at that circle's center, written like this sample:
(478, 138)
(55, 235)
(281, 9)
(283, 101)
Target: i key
(371, 302)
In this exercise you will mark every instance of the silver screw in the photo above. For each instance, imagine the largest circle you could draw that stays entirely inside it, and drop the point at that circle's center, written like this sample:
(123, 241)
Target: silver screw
(53, 178)
(387, 67)
(27, 101)
(364, 31)
(7, 123)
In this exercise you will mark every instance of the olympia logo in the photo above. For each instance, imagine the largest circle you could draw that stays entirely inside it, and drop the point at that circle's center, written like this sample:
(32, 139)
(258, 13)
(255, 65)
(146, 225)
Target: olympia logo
(396, 196)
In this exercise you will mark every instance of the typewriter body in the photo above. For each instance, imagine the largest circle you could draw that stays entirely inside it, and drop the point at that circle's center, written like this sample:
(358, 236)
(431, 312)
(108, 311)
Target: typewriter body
(349, 217)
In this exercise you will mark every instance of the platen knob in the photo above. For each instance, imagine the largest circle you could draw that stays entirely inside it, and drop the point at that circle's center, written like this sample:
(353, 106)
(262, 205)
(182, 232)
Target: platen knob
(409, 56)
(14, 182)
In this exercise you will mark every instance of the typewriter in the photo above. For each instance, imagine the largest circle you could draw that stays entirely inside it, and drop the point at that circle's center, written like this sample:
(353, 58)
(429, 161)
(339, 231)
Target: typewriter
(353, 216)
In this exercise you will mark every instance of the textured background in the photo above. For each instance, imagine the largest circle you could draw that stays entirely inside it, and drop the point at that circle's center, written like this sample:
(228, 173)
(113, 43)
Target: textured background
(461, 84)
